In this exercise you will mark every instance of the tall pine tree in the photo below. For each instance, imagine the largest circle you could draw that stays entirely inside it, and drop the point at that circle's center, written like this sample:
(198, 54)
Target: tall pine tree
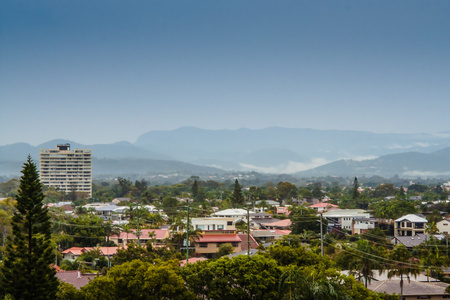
(238, 199)
(194, 190)
(355, 191)
(26, 272)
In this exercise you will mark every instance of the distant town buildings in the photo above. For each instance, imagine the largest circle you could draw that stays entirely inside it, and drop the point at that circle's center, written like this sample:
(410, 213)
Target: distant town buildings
(66, 170)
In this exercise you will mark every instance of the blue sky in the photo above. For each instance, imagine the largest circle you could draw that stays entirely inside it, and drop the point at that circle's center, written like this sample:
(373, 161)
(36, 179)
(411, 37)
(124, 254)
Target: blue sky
(106, 71)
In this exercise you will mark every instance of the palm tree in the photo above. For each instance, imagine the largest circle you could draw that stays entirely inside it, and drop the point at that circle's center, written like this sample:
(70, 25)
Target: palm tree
(365, 260)
(111, 229)
(431, 228)
(402, 264)
(300, 284)
(432, 258)
(127, 229)
(178, 225)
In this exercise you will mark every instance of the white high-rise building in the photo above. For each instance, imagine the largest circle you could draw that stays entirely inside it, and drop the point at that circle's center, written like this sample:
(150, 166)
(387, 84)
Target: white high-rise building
(66, 170)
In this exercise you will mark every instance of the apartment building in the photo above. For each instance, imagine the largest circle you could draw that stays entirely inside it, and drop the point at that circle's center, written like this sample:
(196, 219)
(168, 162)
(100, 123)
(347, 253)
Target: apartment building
(66, 170)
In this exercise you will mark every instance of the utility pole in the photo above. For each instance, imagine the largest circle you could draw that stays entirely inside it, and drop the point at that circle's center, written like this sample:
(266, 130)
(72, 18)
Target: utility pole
(187, 236)
(138, 233)
(248, 232)
(321, 235)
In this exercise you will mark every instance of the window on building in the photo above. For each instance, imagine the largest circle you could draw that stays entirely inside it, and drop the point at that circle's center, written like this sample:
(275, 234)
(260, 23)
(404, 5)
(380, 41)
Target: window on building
(203, 245)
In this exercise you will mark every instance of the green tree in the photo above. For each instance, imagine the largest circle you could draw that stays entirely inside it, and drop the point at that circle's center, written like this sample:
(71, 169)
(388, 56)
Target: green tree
(139, 280)
(9, 188)
(304, 218)
(194, 189)
(432, 258)
(242, 277)
(317, 191)
(66, 291)
(401, 265)
(237, 199)
(355, 191)
(297, 284)
(26, 272)
(384, 190)
(286, 189)
(145, 253)
(225, 249)
(110, 229)
(366, 259)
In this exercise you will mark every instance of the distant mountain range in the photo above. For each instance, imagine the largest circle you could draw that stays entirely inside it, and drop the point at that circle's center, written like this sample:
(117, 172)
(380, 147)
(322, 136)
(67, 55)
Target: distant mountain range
(271, 150)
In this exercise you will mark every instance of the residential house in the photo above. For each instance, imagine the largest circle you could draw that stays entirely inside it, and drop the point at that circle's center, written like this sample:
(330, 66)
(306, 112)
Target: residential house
(156, 236)
(410, 241)
(213, 223)
(112, 212)
(343, 218)
(410, 225)
(265, 235)
(323, 207)
(256, 219)
(118, 200)
(443, 226)
(411, 289)
(283, 210)
(75, 252)
(192, 260)
(362, 225)
(235, 213)
(251, 243)
(267, 204)
(282, 224)
(209, 243)
(75, 278)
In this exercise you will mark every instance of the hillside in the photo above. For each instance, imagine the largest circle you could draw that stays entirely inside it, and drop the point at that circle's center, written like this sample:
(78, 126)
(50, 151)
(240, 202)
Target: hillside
(271, 150)
(410, 164)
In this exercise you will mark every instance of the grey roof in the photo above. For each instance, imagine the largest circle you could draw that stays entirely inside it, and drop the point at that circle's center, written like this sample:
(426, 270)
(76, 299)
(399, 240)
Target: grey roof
(252, 252)
(259, 221)
(411, 241)
(412, 288)
(413, 218)
(111, 208)
(345, 213)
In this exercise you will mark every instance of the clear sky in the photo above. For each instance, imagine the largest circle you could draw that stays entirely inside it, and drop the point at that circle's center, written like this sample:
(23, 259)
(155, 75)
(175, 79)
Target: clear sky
(106, 71)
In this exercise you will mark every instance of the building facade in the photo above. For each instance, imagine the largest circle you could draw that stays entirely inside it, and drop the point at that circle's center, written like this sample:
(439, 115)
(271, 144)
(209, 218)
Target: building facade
(66, 170)
(410, 225)
(343, 218)
(443, 226)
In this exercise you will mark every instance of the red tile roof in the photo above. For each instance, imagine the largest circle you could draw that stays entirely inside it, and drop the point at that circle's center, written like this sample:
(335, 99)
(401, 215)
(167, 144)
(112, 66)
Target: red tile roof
(72, 277)
(275, 231)
(75, 250)
(191, 260)
(80, 250)
(281, 223)
(324, 205)
(219, 238)
(253, 242)
(160, 234)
